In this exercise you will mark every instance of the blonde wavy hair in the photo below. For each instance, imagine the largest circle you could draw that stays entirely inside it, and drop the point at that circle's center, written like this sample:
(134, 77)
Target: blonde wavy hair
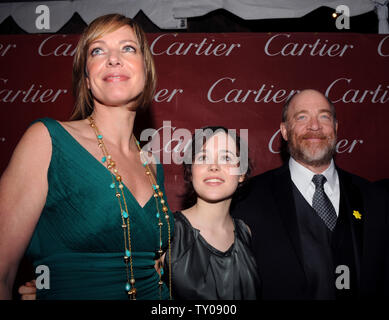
(96, 29)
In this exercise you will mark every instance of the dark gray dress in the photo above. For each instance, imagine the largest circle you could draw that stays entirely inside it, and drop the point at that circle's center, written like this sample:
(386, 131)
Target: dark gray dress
(201, 272)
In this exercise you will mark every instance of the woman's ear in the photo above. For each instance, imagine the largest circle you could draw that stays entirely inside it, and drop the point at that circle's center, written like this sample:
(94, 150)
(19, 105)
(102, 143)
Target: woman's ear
(87, 83)
(242, 178)
(87, 78)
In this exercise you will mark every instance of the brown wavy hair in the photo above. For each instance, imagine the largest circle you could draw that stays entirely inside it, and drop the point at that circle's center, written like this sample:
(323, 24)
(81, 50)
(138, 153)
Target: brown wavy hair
(96, 29)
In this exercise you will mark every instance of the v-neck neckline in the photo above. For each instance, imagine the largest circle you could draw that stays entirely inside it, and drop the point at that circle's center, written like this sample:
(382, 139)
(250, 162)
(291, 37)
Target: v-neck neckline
(106, 169)
(206, 243)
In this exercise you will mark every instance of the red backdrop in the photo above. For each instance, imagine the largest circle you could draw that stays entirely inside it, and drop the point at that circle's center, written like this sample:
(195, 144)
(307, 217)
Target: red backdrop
(238, 80)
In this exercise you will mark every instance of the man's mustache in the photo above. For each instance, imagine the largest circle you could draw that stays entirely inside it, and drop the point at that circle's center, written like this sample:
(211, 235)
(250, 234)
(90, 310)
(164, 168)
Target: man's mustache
(314, 136)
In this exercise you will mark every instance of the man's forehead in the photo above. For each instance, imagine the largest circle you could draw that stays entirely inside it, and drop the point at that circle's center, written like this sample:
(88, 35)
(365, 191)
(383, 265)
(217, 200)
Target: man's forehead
(309, 101)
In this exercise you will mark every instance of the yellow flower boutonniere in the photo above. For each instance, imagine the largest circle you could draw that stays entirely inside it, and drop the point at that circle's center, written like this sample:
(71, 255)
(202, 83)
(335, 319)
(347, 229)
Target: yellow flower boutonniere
(357, 215)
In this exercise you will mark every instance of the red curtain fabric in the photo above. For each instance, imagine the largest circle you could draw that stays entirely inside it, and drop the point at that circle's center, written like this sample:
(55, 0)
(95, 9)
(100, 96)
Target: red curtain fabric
(238, 80)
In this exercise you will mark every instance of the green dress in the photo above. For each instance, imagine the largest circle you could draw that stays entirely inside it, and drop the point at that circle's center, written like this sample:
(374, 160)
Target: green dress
(79, 236)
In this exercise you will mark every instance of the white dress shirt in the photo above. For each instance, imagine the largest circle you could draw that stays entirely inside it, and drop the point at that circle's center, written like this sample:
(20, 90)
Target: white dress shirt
(302, 178)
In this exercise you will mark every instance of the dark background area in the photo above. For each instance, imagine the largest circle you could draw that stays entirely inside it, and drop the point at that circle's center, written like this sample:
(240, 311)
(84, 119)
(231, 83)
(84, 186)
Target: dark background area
(319, 20)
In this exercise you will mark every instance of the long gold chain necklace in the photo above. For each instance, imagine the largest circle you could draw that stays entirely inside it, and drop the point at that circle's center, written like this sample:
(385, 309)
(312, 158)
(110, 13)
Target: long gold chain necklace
(158, 195)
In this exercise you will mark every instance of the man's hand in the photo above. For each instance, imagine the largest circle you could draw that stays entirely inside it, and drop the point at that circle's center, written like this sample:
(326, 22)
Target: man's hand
(28, 290)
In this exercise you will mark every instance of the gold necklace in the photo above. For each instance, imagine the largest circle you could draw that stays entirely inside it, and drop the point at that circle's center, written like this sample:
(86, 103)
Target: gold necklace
(158, 195)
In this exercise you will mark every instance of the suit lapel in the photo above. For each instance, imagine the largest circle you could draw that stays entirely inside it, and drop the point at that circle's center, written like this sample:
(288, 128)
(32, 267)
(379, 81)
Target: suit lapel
(283, 191)
(351, 211)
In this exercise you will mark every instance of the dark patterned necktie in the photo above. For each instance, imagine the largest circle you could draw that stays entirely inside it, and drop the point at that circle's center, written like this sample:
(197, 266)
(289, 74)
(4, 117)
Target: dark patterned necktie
(322, 204)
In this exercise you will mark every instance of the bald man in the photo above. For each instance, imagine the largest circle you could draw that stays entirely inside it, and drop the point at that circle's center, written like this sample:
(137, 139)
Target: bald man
(319, 232)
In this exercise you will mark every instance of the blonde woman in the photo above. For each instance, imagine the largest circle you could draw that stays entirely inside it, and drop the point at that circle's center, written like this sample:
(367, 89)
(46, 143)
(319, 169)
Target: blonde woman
(78, 196)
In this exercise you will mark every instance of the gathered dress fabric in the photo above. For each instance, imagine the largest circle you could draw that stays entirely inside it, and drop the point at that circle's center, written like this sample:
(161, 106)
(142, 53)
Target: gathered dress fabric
(202, 272)
(79, 235)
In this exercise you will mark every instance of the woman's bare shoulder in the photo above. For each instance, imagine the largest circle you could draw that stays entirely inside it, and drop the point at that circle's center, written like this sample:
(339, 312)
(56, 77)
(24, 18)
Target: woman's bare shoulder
(79, 129)
(36, 136)
(74, 125)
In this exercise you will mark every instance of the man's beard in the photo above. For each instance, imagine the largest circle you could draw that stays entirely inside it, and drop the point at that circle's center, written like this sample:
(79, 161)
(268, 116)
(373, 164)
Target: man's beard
(305, 152)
